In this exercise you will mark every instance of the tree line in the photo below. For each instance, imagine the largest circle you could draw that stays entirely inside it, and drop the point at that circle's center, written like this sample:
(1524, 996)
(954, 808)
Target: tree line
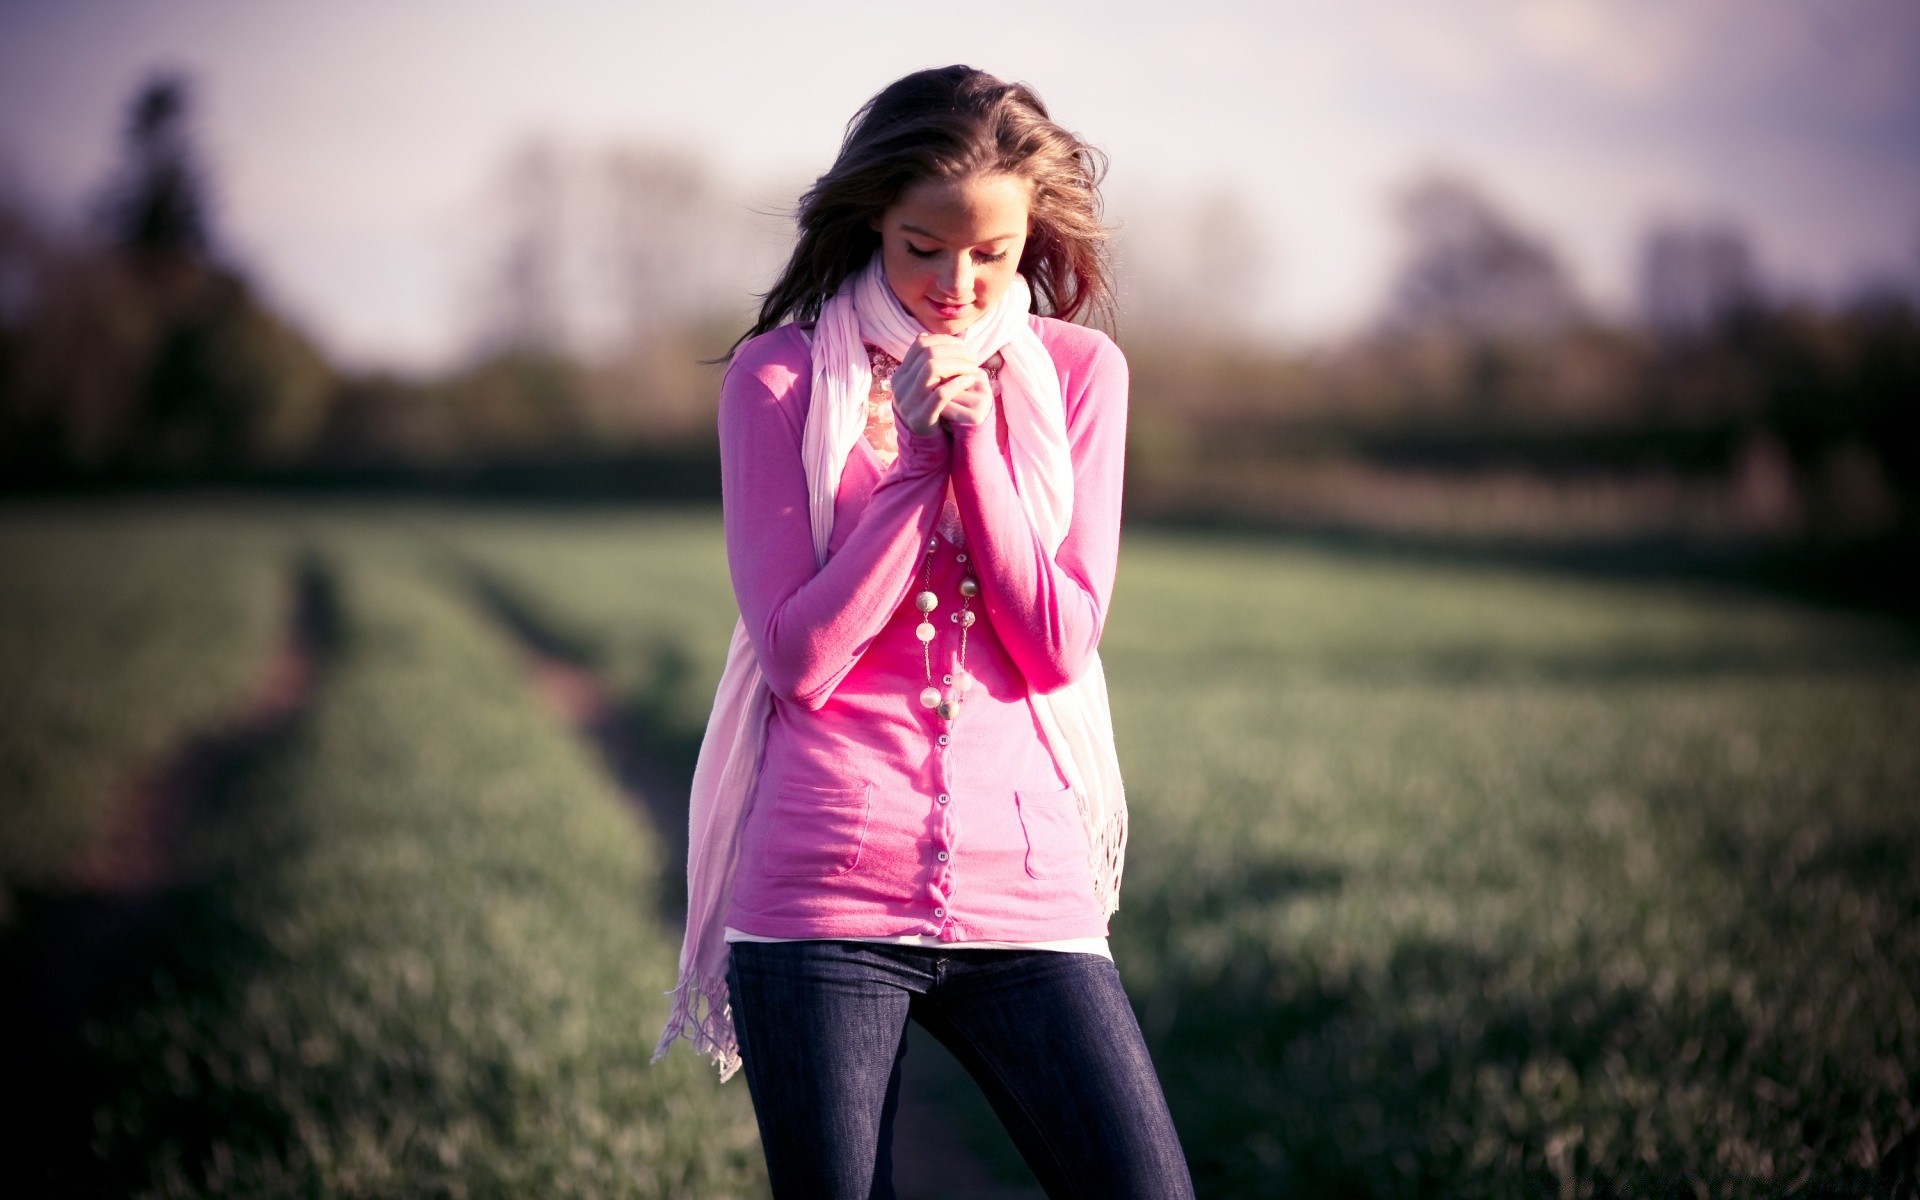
(133, 349)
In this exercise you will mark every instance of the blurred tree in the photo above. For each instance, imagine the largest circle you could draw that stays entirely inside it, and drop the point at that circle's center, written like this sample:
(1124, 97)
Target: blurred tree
(157, 208)
(1696, 279)
(586, 251)
(134, 352)
(1886, 382)
(1469, 269)
(602, 270)
(1195, 271)
(673, 255)
(525, 308)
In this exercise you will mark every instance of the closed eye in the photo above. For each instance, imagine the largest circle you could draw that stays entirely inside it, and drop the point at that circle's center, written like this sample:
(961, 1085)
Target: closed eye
(979, 256)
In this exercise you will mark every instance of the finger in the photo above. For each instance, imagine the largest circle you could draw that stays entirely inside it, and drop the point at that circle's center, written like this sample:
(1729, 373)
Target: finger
(957, 390)
(930, 421)
(967, 410)
(942, 371)
(920, 414)
(913, 404)
(914, 354)
(952, 351)
(910, 378)
(978, 381)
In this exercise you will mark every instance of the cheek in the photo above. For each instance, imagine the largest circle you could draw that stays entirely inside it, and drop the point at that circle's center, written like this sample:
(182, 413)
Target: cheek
(902, 270)
(999, 278)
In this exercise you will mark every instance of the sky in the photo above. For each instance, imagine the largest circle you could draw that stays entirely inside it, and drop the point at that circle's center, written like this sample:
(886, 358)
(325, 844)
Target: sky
(351, 142)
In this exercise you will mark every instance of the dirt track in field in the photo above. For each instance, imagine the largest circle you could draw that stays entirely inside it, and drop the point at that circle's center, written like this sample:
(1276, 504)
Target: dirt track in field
(931, 1159)
(74, 948)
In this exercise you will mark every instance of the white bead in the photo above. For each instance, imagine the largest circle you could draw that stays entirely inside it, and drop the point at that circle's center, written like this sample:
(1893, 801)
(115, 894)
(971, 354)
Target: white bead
(929, 697)
(969, 587)
(923, 631)
(963, 681)
(926, 602)
(966, 620)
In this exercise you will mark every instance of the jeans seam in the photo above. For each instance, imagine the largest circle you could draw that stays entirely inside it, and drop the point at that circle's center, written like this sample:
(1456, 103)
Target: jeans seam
(1020, 1102)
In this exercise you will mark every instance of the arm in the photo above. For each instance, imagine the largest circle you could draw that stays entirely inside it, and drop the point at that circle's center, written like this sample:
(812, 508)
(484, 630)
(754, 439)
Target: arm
(1048, 609)
(810, 625)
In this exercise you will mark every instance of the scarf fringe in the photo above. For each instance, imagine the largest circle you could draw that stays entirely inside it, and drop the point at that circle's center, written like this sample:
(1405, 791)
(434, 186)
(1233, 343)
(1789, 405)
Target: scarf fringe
(709, 1027)
(1109, 857)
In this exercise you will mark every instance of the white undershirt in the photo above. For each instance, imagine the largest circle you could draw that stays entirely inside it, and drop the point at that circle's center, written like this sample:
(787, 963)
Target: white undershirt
(1085, 945)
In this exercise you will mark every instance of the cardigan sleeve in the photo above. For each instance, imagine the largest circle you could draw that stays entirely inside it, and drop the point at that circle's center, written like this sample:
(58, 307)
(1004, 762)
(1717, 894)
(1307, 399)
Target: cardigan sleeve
(1048, 608)
(809, 624)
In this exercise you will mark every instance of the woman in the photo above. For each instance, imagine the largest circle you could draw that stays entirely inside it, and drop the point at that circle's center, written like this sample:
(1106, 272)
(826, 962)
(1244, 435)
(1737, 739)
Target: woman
(907, 803)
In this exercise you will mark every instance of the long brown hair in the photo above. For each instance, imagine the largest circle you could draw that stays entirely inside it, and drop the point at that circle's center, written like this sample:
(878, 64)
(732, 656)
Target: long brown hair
(951, 123)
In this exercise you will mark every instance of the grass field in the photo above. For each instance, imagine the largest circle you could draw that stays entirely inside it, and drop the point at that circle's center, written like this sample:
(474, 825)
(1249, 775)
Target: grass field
(412, 951)
(1445, 879)
(118, 638)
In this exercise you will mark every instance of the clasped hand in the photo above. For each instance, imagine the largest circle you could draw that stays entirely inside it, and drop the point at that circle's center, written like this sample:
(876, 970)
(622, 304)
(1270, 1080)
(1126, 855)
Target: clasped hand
(937, 381)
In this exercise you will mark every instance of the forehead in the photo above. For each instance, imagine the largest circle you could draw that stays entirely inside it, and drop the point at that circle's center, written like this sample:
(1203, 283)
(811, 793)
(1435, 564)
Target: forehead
(968, 211)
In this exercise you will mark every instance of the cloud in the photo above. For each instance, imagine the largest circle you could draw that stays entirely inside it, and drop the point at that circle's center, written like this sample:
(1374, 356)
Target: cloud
(1629, 51)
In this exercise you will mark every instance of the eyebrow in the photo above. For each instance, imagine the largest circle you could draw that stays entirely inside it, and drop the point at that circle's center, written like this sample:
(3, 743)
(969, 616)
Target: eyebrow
(928, 233)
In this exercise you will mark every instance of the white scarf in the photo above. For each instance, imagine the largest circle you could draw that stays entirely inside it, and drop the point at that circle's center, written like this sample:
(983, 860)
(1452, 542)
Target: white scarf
(1074, 719)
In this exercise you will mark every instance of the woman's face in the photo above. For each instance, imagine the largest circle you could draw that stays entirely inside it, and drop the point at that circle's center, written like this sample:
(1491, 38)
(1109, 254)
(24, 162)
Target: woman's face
(951, 248)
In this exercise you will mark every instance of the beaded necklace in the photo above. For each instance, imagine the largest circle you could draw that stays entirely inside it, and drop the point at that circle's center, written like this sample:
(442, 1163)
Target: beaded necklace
(945, 706)
(881, 435)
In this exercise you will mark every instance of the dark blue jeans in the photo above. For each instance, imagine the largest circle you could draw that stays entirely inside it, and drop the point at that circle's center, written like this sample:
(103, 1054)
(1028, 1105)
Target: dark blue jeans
(1048, 1036)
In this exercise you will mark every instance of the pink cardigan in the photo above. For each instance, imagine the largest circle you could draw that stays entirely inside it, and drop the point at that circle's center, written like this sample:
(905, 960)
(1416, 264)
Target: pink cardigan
(872, 816)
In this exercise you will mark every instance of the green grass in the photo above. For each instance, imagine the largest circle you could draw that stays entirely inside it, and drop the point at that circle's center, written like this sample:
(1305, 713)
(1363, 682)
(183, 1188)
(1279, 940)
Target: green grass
(1455, 880)
(1466, 882)
(643, 599)
(416, 953)
(121, 633)
(1444, 880)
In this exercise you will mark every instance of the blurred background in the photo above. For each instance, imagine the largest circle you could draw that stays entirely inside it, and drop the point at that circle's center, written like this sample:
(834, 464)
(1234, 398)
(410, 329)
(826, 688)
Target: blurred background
(1556, 271)
(1514, 656)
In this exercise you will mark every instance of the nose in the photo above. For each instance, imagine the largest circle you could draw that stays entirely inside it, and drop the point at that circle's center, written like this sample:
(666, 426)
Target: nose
(956, 277)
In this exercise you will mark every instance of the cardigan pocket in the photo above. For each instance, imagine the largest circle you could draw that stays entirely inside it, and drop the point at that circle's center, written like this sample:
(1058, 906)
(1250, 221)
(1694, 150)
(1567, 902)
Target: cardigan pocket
(1056, 835)
(814, 832)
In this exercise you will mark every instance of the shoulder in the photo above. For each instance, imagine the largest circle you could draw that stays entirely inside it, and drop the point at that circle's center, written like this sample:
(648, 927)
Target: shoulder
(775, 358)
(1093, 371)
(1077, 348)
(769, 370)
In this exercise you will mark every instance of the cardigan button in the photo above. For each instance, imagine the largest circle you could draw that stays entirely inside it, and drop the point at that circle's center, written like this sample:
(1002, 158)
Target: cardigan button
(942, 856)
(943, 739)
(939, 912)
(944, 798)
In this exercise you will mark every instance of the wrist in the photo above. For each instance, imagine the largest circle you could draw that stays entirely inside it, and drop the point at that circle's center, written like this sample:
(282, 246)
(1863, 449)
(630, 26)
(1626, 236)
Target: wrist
(973, 439)
(920, 452)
